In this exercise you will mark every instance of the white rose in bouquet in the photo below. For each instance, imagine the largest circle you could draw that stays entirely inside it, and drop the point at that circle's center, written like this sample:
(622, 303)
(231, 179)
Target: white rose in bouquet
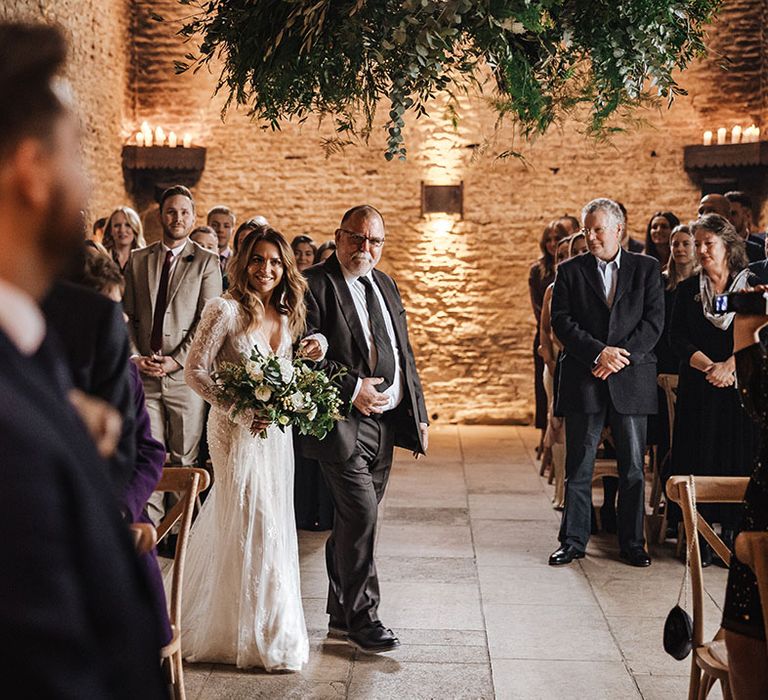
(286, 369)
(263, 393)
(253, 370)
(297, 401)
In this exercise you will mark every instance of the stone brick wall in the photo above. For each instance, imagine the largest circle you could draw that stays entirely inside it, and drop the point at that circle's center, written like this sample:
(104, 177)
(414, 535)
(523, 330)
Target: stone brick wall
(100, 74)
(464, 282)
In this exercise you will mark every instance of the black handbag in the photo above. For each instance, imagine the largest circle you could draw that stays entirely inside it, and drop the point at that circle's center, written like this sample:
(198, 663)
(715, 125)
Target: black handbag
(678, 633)
(678, 627)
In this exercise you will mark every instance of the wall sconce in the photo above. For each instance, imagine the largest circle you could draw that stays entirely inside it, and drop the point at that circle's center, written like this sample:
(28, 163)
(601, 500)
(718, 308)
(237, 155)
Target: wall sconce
(442, 199)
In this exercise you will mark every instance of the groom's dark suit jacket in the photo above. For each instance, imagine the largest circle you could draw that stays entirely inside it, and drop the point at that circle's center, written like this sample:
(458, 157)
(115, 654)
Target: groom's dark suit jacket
(331, 311)
(75, 614)
(585, 324)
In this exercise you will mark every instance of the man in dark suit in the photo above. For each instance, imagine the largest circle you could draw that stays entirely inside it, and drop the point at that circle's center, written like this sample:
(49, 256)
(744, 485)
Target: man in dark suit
(94, 339)
(359, 310)
(720, 204)
(75, 611)
(608, 312)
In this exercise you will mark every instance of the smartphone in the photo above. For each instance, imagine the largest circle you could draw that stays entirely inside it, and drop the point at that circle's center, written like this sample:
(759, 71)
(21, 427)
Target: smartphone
(747, 303)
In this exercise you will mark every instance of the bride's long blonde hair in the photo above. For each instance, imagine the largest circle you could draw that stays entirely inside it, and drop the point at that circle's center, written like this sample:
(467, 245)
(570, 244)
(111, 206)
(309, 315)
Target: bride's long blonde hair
(288, 296)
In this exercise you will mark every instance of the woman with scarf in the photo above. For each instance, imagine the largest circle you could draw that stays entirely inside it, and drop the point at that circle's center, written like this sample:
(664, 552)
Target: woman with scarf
(713, 435)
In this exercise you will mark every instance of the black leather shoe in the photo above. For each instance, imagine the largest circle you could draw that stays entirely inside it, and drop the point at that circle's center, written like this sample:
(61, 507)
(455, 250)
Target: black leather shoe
(337, 630)
(636, 557)
(374, 639)
(565, 554)
(706, 552)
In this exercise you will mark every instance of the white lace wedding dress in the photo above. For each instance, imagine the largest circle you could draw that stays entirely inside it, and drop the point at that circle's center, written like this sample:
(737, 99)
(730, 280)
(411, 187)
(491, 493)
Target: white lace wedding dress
(242, 598)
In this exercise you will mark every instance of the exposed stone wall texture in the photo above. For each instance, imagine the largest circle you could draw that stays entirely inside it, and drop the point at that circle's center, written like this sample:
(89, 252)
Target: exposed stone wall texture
(99, 71)
(464, 282)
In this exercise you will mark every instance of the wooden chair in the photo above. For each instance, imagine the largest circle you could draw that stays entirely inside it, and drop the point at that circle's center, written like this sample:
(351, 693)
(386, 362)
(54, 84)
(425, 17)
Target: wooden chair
(186, 483)
(668, 383)
(709, 660)
(752, 550)
(144, 537)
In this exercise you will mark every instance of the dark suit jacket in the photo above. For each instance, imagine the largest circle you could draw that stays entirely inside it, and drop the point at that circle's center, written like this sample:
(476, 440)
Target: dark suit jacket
(75, 613)
(331, 311)
(585, 325)
(758, 272)
(755, 251)
(92, 333)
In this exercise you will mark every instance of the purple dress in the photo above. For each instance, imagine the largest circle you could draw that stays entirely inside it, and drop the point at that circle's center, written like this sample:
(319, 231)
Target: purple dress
(150, 457)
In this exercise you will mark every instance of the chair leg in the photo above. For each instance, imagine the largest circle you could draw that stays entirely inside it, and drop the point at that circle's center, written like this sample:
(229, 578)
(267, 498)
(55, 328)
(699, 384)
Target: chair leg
(695, 682)
(180, 692)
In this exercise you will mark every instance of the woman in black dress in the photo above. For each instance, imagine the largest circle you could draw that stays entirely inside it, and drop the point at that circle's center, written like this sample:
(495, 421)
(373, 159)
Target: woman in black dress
(742, 612)
(713, 435)
(542, 274)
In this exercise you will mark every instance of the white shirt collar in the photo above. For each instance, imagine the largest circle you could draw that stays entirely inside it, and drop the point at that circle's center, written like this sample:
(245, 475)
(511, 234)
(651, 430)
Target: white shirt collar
(21, 319)
(602, 264)
(177, 250)
(350, 278)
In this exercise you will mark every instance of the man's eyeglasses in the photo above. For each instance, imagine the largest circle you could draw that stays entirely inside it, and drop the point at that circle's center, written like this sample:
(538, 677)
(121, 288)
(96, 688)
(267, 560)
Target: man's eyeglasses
(360, 240)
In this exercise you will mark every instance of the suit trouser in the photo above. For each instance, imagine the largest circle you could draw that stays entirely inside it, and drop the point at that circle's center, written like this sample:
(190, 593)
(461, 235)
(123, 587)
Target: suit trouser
(582, 437)
(357, 487)
(176, 415)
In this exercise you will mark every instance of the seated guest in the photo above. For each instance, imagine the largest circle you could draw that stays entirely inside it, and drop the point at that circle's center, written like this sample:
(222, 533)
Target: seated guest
(541, 275)
(304, 250)
(570, 223)
(742, 613)
(718, 204)
(122, 234)
(206, 238)
(75, 609)
(324, 251)
(222, 220)
(608, 312)
(657, 235)
(713, 435)
(245, 228)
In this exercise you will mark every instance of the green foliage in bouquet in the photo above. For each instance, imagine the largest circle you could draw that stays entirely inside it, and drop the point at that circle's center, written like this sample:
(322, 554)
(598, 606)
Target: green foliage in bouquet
(286, 59)
(282, 391)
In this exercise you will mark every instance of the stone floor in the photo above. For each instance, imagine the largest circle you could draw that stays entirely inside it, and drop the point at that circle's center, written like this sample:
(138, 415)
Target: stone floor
(462, 557)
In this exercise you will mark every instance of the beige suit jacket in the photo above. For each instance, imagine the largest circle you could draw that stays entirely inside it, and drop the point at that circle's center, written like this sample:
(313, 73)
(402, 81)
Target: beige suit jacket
(196, 279)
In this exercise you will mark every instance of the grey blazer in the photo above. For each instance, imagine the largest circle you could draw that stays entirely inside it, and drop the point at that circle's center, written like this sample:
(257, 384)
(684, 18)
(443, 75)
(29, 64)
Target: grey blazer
(195, 280)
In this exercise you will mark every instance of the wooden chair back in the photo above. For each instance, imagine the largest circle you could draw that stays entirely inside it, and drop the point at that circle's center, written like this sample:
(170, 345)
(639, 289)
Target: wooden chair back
(668, 382)
(709, 663)
(752, 550)
(186, 483)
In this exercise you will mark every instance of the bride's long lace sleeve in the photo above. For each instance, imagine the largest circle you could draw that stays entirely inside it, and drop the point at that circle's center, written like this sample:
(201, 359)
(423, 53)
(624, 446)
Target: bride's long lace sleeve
(217, 321)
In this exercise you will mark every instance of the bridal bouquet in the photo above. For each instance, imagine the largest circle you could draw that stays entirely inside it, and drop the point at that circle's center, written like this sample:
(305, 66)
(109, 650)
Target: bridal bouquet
(282, 391)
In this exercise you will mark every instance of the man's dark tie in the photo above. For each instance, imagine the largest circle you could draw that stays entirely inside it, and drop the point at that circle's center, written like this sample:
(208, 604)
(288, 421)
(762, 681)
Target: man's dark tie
(156, 339)
(385, 365)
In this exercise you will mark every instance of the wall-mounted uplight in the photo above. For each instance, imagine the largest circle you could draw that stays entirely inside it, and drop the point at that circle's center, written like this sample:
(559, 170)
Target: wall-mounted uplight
(442, 199)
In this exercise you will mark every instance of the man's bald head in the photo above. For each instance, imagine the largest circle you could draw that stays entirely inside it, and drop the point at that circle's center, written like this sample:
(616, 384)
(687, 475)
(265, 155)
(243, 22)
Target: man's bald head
(715, 204)
(362, 212)
(360, 239)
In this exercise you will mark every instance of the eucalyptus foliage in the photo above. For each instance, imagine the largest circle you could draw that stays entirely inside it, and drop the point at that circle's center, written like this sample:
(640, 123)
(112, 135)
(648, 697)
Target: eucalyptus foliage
(286, 59)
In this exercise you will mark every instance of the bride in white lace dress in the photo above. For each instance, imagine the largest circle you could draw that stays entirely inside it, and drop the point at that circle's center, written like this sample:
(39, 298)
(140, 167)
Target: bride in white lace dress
(242, 598)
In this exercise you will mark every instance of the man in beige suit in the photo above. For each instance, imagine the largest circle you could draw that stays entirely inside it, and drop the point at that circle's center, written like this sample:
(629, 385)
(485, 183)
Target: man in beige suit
(166, 287)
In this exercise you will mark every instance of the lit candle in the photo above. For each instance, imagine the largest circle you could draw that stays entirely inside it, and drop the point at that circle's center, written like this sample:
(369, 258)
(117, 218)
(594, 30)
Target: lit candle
(736, 134)
(707, 138)
(750, 131)
(160, 136)
(721, 135)
(756, 134)
(140, 138)
(172, 140)
(147, 132)
(187, 141)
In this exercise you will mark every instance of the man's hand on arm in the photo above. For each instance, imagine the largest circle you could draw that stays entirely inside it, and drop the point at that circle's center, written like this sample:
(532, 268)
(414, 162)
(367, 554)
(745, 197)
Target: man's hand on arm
(156, 366)
(368, 400)
(610, 361)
